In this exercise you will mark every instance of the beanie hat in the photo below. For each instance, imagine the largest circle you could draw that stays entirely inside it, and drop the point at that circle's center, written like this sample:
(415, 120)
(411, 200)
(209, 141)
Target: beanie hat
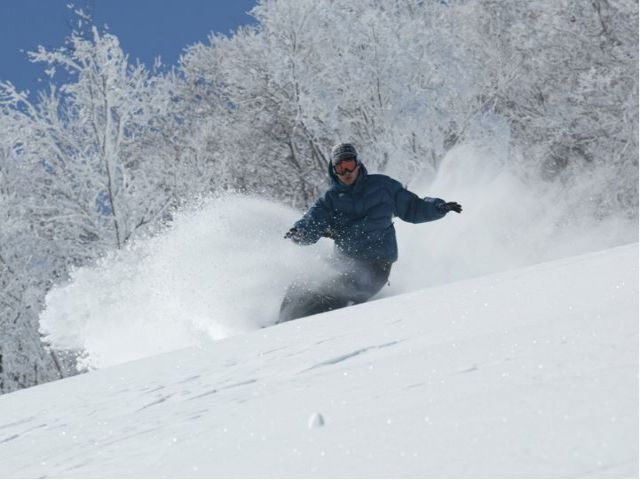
(342, 151)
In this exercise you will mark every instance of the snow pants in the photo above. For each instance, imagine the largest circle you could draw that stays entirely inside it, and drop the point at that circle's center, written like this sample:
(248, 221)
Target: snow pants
(355, 282)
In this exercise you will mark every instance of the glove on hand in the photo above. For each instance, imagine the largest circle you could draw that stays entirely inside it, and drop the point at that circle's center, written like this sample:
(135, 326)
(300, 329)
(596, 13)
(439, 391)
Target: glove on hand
(330, 233)
(451, 207)
(295, 234)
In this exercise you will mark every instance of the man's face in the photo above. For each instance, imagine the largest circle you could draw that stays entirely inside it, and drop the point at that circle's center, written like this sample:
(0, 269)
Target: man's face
(347, 171)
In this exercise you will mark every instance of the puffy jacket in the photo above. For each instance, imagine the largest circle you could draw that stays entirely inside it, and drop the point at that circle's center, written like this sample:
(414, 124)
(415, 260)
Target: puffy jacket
(359, 216)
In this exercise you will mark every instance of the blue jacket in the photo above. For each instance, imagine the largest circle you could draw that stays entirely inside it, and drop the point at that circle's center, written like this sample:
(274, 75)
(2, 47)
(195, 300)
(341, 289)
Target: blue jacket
(359, 217)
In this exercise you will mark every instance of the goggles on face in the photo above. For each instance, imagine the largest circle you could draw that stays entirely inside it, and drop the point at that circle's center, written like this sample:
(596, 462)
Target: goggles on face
(345, 166)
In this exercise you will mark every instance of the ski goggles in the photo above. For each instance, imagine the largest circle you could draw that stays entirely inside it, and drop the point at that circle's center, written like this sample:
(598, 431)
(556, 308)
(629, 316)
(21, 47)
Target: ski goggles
(345, 166)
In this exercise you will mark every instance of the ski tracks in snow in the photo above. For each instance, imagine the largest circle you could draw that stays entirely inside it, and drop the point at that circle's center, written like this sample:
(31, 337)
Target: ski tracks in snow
(347, 356)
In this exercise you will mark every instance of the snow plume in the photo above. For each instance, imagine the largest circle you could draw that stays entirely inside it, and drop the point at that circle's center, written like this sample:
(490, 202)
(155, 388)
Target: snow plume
(510, 218)
(220, 270)
(223, 267)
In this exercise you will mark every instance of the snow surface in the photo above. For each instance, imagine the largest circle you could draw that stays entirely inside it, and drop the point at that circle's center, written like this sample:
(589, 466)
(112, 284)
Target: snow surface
(531, 372)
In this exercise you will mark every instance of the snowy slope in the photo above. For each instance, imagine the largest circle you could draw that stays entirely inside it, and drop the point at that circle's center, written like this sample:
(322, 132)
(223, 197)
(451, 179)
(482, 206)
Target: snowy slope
(526, 373)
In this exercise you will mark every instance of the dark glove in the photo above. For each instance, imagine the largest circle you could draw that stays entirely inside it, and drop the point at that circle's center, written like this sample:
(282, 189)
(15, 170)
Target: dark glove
(450, 207)
(330, 233)
(295, 234)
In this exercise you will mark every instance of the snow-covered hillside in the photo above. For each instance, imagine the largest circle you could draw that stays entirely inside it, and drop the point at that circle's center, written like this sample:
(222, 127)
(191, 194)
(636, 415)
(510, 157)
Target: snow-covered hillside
(526, 373)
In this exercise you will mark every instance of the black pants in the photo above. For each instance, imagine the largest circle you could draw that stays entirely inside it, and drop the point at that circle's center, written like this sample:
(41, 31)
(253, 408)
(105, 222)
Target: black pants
(355, 282)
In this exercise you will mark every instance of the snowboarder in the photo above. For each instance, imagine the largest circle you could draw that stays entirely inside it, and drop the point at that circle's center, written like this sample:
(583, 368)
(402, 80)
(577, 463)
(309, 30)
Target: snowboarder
(356, 212)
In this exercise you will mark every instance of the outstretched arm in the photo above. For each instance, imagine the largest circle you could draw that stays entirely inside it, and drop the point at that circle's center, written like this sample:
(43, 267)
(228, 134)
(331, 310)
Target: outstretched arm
(312, 225)
(411, 208)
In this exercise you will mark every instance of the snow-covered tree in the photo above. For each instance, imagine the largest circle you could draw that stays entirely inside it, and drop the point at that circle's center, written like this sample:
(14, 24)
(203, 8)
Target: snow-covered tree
(97, 146)
(564, 75)
(83, 169)
(26, 271)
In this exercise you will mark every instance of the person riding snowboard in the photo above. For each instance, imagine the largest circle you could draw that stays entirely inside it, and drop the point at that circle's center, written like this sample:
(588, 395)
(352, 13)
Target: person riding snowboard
(356, 212)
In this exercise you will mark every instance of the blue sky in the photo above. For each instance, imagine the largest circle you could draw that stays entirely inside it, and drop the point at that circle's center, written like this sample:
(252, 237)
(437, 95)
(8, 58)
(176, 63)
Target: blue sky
(146, 29)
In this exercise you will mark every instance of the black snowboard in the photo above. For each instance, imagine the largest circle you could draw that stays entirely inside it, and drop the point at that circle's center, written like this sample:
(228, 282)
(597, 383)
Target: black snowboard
(355, 284)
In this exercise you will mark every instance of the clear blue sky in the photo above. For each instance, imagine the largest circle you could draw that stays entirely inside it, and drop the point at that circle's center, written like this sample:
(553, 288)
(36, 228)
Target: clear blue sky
(146, 29)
